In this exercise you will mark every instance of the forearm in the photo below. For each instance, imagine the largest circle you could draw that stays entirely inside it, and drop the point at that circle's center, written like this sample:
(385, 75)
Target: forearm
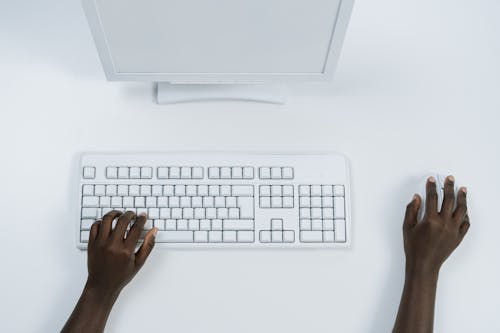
(416, 311)
(91, 311)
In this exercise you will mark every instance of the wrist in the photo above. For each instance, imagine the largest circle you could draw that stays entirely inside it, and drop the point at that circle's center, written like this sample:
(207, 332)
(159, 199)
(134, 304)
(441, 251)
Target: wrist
(95, 291)
(421, 270)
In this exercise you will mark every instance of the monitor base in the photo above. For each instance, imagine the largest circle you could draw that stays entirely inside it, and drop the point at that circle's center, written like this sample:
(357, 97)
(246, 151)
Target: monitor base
(167, 93)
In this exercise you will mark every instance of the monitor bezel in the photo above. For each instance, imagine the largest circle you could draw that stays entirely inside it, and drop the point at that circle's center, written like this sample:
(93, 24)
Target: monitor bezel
(335, 46)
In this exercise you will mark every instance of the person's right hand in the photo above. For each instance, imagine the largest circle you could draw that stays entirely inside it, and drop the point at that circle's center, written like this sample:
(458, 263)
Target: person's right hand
(112, 259)
(429, 242)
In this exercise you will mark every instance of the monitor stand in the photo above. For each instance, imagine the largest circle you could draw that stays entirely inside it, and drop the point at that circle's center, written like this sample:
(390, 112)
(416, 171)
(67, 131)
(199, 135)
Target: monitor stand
(167, 93)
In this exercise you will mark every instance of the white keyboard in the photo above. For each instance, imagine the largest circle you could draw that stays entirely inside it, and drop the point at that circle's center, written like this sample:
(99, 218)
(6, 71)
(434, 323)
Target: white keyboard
(203, 200)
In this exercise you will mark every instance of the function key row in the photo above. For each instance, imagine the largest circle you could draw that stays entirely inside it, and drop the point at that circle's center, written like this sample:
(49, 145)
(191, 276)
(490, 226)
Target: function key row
(231, 172)
(114, 172)
(183, 172)
(276, 173)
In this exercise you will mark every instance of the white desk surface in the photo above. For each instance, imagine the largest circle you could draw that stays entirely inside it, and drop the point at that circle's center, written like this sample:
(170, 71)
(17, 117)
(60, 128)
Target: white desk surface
(417, 89)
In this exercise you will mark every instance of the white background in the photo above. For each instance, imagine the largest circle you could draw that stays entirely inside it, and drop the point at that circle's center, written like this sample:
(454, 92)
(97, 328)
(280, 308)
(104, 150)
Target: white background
(417, 90)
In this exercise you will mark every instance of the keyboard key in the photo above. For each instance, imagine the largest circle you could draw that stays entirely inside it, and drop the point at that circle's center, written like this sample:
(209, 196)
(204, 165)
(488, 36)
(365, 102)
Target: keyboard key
(265, 173)
(162, 173)
(327, 224)
(185, 172)
(276, 202)
(128, 202)
(197, 202)
(248, 173)
(122, 190)
(197, 173)
(238, 225)
(191, 190)
(213, 190)
(277, 236)
(234, 213)
(88, 172)
(90, 202)
(328, 236)
(202, 190)
(187, 213)
(176, 213)
(305, 213)
(225, 173)
(225, 190)
(237, 172)
(245, 236)
(287, 173)
(111, 190)
(216, 224)
(175, 236)
(245, 205)
(88, 190)
(165, 213)
(229, 236)
(157, 190)
(194, 224)
(185, 202)
(328, 213)
(145, 190)
(116, 202)
(311, 236)
(180, 190)
(135, 173)
(84, 236)
(316, 202)
(168, 190)
(182, 225)
(170, 224)
(315, 191)
(105, 202)
(139, 202)
(208, 202)
(305, 224)
(160, 224)
(276, 173)
(213, 173)
(265, 202)
(327, 190)
(199, 213)
(174, 172)
(86, 224)
(123, 173)
(287, 191)
(276, 224)
(231, 202)
(265, 190)
(222, 213)
(305, 201)
(340, 233)
(242, 190)
(288, 236)
(265, 236)
(201, 236)
(316, 213)
(146, 173)
(153, 213)
(133, 190)
(316, 224)
(276, 190)
(204, 224)
(327, 202)
(339, 209)
(90, 213)
(304, 190)
(215, 236)
(111, 172)
(338, 190)
(99, 190)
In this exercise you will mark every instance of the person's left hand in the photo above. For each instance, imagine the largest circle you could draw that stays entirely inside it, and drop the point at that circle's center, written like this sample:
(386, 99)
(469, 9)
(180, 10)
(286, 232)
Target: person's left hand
(112, 259)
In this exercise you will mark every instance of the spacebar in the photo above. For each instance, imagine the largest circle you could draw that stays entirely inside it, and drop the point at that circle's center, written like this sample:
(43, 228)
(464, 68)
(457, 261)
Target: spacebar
(174, 236)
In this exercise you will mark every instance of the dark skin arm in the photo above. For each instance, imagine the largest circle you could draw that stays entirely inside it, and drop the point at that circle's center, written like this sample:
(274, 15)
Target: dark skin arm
(112, 263)
(428, 243)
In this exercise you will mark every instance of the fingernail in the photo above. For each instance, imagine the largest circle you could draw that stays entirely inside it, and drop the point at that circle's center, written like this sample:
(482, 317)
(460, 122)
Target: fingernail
(464, 189)
(155, 232)
(451, 178)
(143, 215)
(415, 197)
(432, 179)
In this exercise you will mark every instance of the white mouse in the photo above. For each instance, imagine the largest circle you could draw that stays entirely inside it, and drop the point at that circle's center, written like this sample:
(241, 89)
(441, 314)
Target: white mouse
(440, 179)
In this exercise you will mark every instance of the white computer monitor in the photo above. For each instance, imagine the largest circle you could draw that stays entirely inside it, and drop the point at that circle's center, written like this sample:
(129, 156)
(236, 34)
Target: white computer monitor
(228, 42)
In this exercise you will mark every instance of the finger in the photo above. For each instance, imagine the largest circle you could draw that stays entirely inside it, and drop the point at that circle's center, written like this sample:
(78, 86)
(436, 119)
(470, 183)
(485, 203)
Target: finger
(146, 248)
(118, 234)
(107, 221)
(94, 231)
(449, 196)
(412, 212)
(461, 209)
(464, 227)
(135, 232)
(431, 197)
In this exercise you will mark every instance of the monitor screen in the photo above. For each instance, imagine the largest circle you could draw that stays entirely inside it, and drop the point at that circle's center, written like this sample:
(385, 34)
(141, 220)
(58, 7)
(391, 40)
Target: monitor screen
(217, 36)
